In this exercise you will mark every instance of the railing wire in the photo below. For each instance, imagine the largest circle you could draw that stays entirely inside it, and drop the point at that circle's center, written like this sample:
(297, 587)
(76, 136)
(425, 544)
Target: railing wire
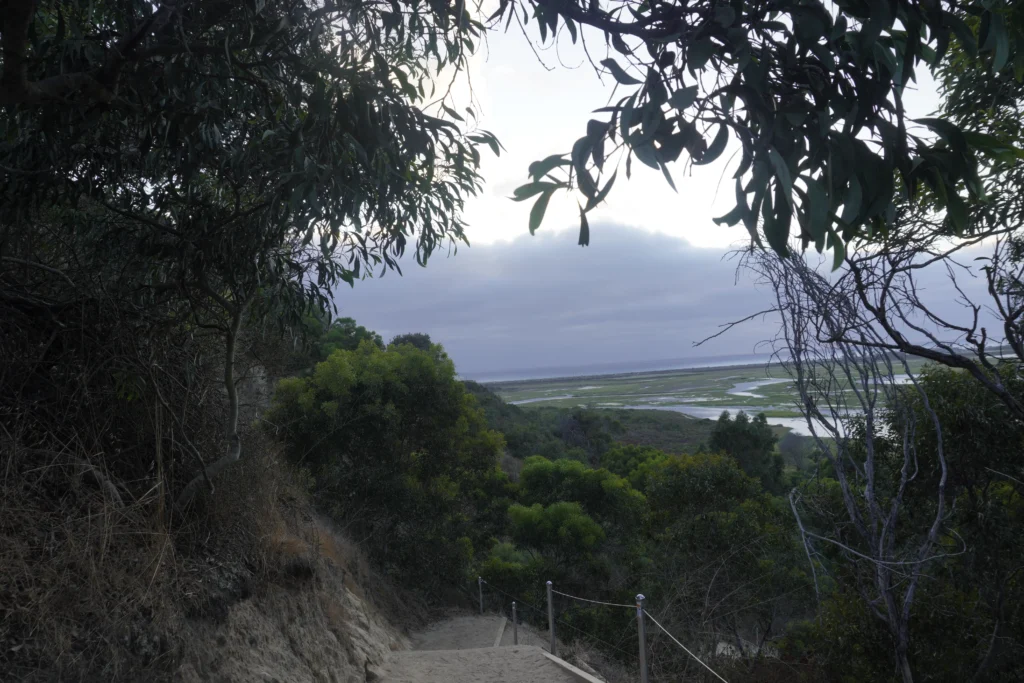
(596, 602)
(674, 640)
(561, 621)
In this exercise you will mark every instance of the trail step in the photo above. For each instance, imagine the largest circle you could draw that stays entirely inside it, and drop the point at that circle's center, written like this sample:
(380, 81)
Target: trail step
(501, 632)
(518, 664)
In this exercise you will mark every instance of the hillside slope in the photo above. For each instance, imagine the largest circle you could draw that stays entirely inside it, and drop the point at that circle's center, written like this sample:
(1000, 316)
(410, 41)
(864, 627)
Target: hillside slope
(252, 587)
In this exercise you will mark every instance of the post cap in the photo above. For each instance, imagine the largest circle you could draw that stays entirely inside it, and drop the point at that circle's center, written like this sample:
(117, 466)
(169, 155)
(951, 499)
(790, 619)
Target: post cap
(549, 583)
(640, 597)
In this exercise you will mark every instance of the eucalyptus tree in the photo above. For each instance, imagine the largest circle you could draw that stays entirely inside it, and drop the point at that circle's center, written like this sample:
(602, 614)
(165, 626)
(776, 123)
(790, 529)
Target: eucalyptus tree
(861, 528)
(885, 274)
(812, 91)
(251, 155)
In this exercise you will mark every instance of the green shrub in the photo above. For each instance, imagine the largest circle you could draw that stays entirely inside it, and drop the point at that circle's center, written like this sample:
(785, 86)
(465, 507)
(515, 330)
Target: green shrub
(400, 452)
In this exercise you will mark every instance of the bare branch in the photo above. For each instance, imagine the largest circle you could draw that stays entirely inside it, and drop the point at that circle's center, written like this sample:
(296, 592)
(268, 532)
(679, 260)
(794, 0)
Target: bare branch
(722, 329)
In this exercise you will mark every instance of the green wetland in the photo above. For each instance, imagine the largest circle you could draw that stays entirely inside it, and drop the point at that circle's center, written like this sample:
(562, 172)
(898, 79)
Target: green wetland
(697, 392)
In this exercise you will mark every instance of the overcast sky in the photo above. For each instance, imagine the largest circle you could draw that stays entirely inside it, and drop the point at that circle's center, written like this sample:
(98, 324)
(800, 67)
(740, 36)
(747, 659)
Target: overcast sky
(653, 281)
(542, 301)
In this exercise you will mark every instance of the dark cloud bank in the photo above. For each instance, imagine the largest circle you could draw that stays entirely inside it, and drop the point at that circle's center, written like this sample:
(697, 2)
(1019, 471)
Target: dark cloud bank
(543, 301)
(630, 299)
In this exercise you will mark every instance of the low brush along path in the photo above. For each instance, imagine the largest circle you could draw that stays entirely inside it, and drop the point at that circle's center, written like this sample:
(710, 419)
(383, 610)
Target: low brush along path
(478, 649)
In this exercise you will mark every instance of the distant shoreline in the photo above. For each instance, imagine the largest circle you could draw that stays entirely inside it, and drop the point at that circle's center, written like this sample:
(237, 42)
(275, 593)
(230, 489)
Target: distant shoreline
(625, 375)
(767, 363)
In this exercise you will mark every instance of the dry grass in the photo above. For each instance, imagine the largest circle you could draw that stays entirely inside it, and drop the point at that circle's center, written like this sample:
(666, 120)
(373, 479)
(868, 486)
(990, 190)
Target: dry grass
(82, 580)
(587, 657)
(95, 591)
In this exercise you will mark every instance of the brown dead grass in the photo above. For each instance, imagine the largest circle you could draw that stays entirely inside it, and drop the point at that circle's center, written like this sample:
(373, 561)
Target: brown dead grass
(587, 657)
(95, 591)
(82, 580)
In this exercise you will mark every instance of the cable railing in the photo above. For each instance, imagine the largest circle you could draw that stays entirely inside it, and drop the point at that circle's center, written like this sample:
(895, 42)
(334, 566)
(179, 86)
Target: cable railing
(553, 620)
(685, 649)
(596, 602)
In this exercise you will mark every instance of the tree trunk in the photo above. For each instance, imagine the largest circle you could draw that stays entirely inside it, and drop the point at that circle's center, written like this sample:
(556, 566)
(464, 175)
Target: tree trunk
(908, 675)
(234, 444)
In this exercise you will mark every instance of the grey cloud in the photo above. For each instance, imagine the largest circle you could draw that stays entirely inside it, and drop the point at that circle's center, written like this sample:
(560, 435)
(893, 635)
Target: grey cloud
(542, 301)
(630, 298)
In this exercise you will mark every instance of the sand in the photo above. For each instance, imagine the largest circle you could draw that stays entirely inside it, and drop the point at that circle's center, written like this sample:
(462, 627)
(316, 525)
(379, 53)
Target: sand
(459, 633)
(527, 636)
(523, 664)
(461, 650)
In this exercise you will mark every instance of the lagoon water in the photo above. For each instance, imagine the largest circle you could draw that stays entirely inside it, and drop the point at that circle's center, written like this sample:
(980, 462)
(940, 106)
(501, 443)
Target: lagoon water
(797, 424)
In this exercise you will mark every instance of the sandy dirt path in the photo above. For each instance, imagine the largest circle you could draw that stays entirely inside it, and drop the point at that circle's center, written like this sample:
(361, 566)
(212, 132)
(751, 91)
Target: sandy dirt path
(459, 633)
(523, 664)
(527, 636)
(461, 650)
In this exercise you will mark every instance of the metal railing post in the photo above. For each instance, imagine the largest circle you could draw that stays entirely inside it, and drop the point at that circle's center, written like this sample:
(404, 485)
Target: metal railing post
(551, 619)
(642, 631)
(515, 625)
(480, 588)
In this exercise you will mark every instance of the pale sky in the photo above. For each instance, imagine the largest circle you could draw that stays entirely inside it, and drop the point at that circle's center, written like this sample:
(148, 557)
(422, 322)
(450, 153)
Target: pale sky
(652, 281)
(536, 112)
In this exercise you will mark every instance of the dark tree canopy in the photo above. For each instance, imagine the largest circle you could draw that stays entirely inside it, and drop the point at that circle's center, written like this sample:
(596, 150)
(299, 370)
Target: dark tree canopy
(812, 91)
(418, 339)
(239, 160)
(246, 150)
(346, 335)
(751, 442)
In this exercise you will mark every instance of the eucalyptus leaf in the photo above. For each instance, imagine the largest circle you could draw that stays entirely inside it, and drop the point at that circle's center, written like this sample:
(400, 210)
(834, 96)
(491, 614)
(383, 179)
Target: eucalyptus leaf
(782, 173)
(646, 153)
(1002, 51)
(835, 243)
(584, 239)
(683, 98)
(716, 147)
(571, 27)
(732, 218)
(539, 208)
(539, 169)
(668, 176)
(524, 192)
(600, 196)
(452, 113)
(817, 208)
(618, 73)
(956, 210)
(698, 54)
(852, 204)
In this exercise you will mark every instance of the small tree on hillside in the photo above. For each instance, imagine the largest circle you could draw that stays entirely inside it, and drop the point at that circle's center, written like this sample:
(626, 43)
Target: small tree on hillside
(752, 443)
(399, 452)
(344, 334)
(418, 340)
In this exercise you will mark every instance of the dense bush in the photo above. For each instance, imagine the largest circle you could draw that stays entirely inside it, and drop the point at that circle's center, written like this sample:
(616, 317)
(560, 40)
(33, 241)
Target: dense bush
(399, 452)
(752, 443)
